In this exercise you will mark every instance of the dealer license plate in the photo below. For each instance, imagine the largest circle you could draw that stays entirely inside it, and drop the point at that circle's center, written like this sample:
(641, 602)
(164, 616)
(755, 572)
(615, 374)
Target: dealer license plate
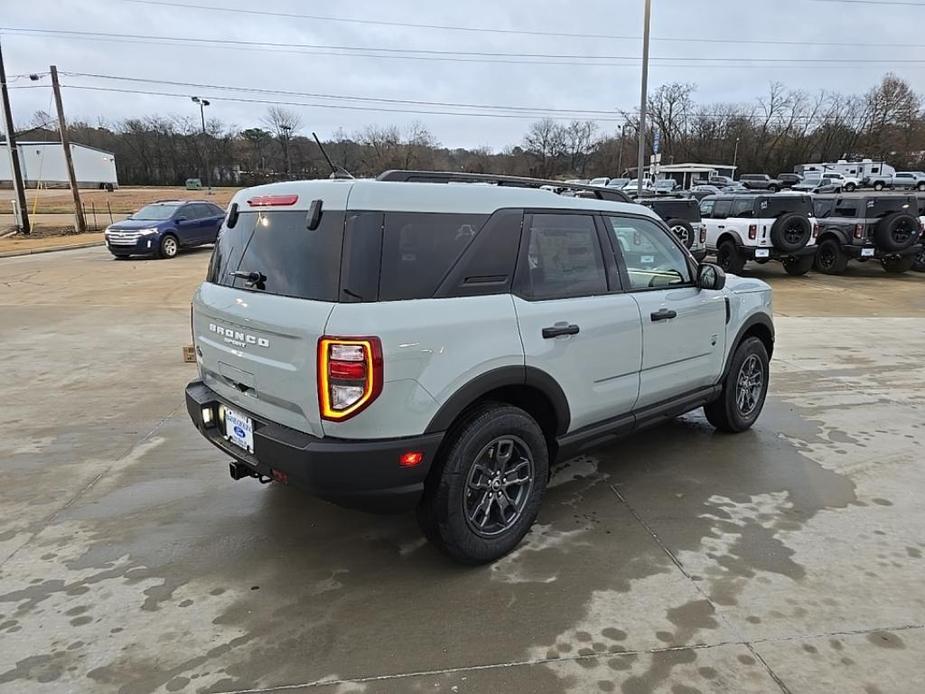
(762, 253)
(867, 252)
(239, 430)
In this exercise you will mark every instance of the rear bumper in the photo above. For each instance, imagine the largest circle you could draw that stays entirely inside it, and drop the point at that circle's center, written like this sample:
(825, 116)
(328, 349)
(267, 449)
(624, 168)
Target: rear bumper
(857, 252)
(362, 474)
(776, 254)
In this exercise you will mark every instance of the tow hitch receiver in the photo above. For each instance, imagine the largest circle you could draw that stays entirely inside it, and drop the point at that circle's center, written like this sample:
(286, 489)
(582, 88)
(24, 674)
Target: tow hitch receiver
(239, 471)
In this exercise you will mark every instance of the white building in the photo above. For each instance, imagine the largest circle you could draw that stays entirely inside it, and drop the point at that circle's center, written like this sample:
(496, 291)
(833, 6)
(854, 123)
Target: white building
(688, 174)
(43, 164)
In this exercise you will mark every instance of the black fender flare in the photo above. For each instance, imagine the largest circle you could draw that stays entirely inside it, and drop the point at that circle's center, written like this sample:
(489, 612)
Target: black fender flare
(499, 378)
(753, 320)
(844, 238)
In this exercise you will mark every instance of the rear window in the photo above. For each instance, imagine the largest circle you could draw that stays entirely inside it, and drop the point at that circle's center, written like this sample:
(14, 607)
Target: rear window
(688, 210)
(783, 204)
(295, 261)
(419, 248)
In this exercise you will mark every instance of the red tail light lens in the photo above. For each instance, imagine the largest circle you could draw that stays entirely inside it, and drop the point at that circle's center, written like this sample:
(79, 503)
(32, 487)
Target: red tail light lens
(411, 459)
(349, 375)
(815, 230)
(752, 231)
(703, 233)
(859, 231)
(273, 201)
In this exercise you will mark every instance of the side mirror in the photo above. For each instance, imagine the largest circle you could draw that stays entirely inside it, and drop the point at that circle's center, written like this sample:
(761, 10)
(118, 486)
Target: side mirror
(710, 276)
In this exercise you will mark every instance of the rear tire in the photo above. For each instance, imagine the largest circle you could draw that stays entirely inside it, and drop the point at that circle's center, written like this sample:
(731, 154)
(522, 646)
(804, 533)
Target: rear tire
(484, 497)
(898, 265)
(878, 186)
(850, 188)
(919, 263)
(772, 189)
(798, 266)
(729, 258)
(744, 389)
(830, 259)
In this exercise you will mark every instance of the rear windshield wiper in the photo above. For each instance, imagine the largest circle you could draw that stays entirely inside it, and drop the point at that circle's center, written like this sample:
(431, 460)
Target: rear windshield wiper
(251, 279)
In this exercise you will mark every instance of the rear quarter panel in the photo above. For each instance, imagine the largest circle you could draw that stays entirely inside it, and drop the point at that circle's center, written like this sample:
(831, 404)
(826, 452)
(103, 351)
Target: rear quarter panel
(431, 348)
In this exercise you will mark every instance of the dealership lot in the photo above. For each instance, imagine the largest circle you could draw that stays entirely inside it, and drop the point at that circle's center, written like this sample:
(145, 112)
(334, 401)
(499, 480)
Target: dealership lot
(788, 558)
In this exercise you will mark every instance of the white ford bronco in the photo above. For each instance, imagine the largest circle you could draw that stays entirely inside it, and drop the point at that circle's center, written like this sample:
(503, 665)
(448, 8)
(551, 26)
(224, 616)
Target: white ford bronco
(435, 341)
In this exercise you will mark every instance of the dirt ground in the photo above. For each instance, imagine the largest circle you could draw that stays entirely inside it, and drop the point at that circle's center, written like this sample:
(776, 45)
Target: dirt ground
(122, 201)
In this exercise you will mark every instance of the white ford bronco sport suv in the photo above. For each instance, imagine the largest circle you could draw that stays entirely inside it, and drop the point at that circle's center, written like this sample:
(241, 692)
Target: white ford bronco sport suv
(757, 227)
(414, 342)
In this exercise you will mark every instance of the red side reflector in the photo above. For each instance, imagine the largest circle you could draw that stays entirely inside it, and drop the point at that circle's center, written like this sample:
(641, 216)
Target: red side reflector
(411, 458)
(273, 200)
(347, 369)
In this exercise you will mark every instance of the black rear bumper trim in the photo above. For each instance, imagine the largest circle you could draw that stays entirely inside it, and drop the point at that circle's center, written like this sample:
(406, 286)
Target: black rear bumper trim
(362, 474)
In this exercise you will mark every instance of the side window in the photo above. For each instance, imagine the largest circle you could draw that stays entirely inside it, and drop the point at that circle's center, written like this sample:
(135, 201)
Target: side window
(215, 211)
(743, 208)
(563, 257)
(651, 257)
(706, 208)
(419, 248)
(844, 208)
(721, 209)
(875, 169)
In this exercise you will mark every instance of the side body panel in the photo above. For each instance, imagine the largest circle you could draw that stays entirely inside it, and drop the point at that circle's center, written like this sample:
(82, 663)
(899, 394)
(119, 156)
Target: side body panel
(431, 348)
(597, 368)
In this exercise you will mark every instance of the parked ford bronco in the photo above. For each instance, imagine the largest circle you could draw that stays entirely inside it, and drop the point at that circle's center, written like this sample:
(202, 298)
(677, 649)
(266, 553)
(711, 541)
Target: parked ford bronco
(881, 227)
(397, 344)
(761, 228)
(682, 215)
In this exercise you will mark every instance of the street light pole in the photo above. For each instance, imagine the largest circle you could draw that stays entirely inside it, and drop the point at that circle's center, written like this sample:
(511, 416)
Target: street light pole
(205, 149)
(735, 157)
(644, 97)
(288, 130)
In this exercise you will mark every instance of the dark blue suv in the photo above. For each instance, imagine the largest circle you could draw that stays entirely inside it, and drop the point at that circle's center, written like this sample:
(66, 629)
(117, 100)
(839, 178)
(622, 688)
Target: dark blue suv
(162, 228)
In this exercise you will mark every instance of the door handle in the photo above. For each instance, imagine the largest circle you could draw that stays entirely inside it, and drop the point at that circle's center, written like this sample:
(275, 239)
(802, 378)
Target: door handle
(720, 226)
(560, 329)
(663, 314)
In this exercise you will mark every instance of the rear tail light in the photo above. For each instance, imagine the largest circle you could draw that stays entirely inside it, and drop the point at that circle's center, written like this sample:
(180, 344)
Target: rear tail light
(859, 231)
(752, 231)
(703, 233)
(273, 200)
(349, 375)
(815, 230)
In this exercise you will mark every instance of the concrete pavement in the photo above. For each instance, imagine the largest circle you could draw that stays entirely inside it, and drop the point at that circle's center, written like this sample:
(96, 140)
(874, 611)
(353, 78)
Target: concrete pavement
(786, 559)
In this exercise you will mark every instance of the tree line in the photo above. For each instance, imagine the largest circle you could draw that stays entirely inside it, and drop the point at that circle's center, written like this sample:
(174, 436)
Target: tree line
(772, 134)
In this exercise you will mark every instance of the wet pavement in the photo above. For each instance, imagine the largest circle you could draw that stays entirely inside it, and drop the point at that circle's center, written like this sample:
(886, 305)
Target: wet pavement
(785, 559)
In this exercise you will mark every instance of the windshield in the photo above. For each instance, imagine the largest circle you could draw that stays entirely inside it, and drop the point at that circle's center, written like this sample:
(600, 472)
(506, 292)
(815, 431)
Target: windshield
(665, 184)
(155, 212)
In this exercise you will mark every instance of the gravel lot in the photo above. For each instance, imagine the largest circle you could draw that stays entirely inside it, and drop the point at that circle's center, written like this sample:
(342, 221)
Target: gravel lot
(786, 559)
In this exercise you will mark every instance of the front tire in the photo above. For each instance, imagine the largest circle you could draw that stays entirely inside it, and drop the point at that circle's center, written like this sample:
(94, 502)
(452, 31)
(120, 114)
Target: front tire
(744, 389)
(898, 265)
(850, 187)
(484, 497)
(798, 266)
(878, 187)
(169, 247)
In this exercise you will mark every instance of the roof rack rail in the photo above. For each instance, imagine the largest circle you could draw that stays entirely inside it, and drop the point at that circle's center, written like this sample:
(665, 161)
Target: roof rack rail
(411, 176)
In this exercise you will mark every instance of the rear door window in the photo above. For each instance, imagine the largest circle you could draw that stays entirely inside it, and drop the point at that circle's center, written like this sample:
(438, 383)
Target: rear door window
(743, 208)
(706, 208)
(292, 260)
(420, 248)
(563, 259)
(721, 209)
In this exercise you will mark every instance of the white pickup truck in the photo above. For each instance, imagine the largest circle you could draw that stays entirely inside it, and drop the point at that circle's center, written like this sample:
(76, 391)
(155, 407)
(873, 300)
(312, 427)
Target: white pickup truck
(906, 180)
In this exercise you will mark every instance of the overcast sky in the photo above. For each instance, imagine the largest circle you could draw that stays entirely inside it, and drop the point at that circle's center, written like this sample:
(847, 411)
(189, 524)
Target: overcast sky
(809, 23)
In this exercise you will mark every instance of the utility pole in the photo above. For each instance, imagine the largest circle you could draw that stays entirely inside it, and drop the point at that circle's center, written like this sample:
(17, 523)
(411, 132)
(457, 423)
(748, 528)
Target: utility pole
(79, 222)
(288, 130)
(644, 98)
(22, 211)
(202, 114)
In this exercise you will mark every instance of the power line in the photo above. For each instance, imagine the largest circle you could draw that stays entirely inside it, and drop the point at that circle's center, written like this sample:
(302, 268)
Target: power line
(618, 115)
(457, 56)
(521, 32)
(527, 116)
